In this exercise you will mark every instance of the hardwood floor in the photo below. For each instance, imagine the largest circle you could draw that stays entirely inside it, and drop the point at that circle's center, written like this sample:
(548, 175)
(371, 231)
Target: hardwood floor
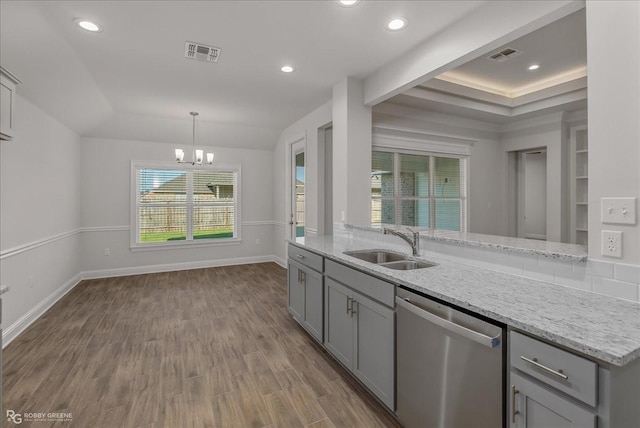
(202, 348)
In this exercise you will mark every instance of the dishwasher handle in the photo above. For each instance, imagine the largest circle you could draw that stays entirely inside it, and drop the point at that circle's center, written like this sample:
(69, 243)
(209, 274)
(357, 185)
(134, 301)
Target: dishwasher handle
(483, 339)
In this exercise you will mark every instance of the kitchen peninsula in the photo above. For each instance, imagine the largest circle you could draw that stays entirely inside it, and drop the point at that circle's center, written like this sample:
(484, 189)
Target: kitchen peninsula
(599, 331)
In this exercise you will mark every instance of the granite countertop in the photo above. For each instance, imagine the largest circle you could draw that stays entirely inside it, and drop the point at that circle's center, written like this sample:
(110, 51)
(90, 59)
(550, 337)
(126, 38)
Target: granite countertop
(601, 327)
(554, 250)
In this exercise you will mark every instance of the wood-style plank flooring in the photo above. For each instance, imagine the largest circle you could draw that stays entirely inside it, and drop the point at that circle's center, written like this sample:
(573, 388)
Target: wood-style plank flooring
(201, 348)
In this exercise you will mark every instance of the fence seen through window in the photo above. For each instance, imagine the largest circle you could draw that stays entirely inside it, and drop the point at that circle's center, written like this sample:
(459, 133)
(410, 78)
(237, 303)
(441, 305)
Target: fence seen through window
(178, 205)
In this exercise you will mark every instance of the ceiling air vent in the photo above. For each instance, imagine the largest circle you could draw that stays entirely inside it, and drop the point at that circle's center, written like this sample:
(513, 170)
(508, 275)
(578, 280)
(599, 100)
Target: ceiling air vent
(504, 54)
(201, 52)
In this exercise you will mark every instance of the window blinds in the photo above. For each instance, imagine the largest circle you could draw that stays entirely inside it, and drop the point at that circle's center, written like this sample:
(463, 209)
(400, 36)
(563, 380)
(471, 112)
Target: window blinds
(178, 205)
(418, 190)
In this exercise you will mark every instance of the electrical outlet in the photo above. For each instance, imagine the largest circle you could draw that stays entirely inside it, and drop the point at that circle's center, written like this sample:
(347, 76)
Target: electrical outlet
(107, 252)
(611, 243)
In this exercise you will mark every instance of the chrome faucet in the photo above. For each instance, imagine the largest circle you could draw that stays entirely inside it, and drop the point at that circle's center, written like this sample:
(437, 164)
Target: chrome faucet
(414, 240)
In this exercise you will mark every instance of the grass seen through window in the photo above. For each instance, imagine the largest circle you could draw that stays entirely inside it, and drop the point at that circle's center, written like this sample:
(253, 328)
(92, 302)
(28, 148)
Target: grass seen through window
(181, 235)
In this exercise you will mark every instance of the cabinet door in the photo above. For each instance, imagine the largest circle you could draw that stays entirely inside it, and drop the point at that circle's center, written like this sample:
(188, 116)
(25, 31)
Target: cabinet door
(313, 303)
(539, 407)
(339, 324)
(296, 292)
(374, 353)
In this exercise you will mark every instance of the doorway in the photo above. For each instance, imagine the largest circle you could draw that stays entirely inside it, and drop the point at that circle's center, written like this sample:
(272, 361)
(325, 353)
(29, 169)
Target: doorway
(297, 221)
(532, 194)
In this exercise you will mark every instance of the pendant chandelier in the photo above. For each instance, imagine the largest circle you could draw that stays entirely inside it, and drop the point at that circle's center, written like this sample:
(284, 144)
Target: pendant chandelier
(197, 156)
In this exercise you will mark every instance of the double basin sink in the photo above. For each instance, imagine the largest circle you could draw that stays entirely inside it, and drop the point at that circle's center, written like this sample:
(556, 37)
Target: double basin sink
(389, 259)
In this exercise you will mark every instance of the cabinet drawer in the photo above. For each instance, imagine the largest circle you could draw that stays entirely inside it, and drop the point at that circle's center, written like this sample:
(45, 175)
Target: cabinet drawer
(550, 365)
(368, 285)
(313, 260)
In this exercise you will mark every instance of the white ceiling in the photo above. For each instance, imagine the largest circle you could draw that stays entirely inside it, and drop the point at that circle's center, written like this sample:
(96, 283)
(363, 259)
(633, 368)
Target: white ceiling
(132, 81)
(560, 49)
(499, 92)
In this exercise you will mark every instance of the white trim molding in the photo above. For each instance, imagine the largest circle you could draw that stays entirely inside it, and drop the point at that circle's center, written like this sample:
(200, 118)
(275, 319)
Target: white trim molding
(172, 267)
(259, 223)
(411, 140)
(105, 229)
(35, 244)
(50, 239)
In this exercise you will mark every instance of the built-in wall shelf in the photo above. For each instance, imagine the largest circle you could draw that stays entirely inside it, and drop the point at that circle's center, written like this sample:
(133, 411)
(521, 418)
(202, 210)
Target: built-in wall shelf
(579, 184)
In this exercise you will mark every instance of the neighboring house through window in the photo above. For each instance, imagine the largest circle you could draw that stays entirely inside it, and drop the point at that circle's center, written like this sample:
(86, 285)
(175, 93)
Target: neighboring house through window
(178, 205)
(420, 190)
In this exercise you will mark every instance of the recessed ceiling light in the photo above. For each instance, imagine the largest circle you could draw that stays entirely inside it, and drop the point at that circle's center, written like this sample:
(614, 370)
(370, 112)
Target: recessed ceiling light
(287, 69)
(534, 67)
(396, 24)
(88, 25)
(348, 3)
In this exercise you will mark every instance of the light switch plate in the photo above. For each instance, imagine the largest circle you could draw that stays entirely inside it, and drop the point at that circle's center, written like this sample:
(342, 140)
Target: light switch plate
(619, 210)
(612, 243)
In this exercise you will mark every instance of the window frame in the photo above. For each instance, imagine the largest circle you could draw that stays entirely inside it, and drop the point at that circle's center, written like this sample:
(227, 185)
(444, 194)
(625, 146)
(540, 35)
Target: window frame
(397, 198)
(189, 205)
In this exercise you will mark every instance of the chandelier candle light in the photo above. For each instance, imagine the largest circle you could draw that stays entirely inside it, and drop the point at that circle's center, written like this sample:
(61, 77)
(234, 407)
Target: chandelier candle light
(198, 155)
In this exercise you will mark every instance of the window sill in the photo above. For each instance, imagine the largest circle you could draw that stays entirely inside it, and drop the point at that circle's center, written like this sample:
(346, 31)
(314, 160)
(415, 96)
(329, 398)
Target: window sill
(185, 244)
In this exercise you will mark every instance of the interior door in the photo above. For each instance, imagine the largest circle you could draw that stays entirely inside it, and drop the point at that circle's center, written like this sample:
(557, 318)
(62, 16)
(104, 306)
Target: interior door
(532, 195)
(297, 219)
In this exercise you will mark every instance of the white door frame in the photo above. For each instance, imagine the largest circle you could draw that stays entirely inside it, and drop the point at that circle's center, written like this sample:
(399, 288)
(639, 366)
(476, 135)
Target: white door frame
(297, 146)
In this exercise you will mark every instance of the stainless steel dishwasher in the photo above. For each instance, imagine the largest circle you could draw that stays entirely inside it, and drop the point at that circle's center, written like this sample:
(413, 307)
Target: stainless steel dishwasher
(450, 367)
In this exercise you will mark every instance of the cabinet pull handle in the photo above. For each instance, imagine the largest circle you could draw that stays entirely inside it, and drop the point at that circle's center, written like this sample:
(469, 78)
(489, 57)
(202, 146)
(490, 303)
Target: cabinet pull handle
(300, 256)
(514, 412)
(353, 311)
(299, 276)
(535, 362)
(348, 305)
(304, 277)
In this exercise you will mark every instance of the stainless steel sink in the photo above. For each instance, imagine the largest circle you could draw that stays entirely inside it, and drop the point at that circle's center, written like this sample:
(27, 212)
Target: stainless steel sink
(376, 256)
(408, 265)
(389, 260)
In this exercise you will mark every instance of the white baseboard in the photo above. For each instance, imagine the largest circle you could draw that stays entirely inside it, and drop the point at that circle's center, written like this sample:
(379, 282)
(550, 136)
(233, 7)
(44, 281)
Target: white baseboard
(138, 270)
(11, 332)
(280, 261)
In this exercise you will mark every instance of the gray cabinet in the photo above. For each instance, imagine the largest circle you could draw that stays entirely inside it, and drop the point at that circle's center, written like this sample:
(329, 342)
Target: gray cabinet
(539, 407)
(550, 387)
(374, 339)
(339, 323)
(360, 333)
(305, 292)
(296, 291)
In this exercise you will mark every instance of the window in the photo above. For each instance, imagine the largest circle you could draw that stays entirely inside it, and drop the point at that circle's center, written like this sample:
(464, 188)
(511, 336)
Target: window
(180, 205)
(418, 190)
